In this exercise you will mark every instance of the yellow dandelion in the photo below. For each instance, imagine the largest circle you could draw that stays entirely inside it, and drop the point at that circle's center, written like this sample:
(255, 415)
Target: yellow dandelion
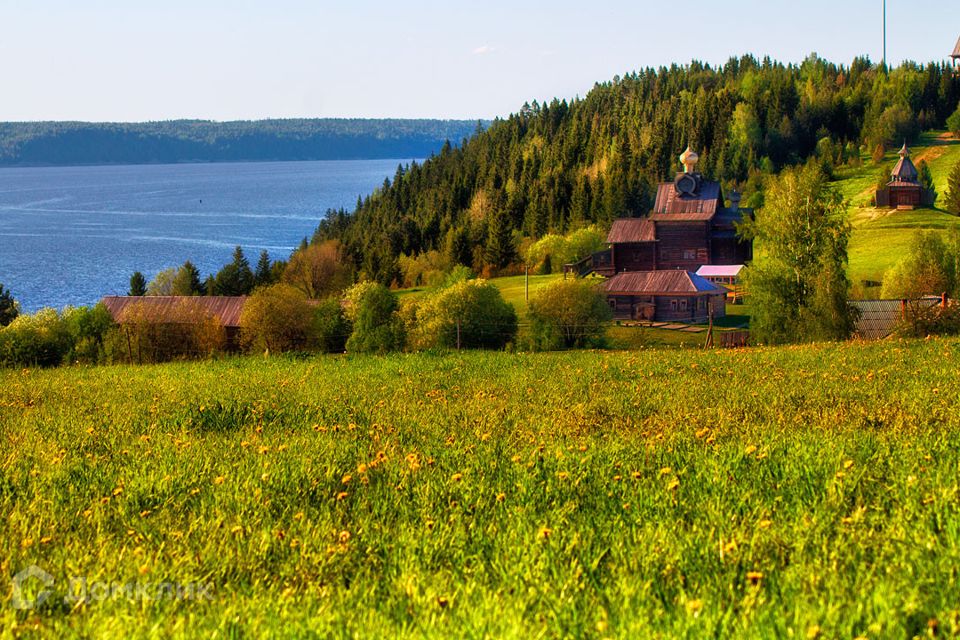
(763, 524)
(563, 475)
(673, 484)
(847, 464)
(544, 533)
(342, 495)
(501, 497)
(457, 477)
(754, 576)
(344, 537)
(219, 480)
(664, 471)
(118, 491)
(346, 479)
(298, 515)
(750, 449)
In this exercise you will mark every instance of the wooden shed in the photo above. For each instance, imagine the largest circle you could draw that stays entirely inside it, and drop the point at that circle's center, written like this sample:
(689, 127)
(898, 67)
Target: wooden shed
(225, 310)
(664, 296)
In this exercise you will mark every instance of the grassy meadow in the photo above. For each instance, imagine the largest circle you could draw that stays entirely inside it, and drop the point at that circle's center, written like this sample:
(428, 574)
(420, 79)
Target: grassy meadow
(793, 492)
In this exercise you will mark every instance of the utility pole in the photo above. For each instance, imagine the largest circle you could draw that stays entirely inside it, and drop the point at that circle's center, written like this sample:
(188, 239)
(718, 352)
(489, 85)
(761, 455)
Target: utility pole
(884, 34)
(526, 282)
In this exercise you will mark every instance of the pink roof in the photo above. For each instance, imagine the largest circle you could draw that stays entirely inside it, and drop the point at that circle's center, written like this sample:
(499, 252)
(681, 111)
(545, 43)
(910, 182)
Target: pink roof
(720, 270)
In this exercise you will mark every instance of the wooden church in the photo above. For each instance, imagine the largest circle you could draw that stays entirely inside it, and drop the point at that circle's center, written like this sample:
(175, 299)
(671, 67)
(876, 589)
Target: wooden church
(904, 190)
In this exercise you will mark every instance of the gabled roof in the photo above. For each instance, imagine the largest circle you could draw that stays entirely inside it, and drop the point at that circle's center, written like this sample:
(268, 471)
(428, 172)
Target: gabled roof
(671, 206)
(226, 309)
(631, 230)
(659, 282)
(956, 51)
(720, 270)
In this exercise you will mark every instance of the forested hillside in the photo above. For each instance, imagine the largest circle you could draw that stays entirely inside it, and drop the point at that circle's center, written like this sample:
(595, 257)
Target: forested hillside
(70, 143)
(558, 166)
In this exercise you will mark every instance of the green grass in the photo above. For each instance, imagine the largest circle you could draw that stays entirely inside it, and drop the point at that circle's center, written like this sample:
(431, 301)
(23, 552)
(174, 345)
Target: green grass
(881, 237)
(759, 493)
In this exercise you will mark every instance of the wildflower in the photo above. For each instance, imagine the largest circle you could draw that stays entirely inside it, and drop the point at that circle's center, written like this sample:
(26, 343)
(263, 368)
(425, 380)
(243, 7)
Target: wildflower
(342, 495)
(544, 533)
(145, 513)
(847, 464)
(666, 471)
(673, 484)
(346, 479)
(754, 576)
(750, 449)
(298, 515)
(118, 491)
(443, 602)
(236, 530)
(763, 524)
(563, 475)
(457, 477)
(344, 537)
(501, 497)
(218, 480)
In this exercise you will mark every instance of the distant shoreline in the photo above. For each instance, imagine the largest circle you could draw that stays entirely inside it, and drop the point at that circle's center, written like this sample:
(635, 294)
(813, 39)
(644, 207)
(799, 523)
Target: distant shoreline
(80, 144)
(3, 167)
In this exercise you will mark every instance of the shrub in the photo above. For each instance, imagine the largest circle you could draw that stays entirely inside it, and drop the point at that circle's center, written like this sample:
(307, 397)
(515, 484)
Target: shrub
(929, 268)
(471, 311)
(568, 314)
(277, 318)
(88, 327)
(953, 122)
(372, 310)
(41, 339)
(318, 270)
(551, 252)
(330, 327)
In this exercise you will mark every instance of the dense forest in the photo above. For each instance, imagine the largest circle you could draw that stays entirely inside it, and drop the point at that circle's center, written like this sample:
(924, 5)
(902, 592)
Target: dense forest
(79, 143)
(559, 166)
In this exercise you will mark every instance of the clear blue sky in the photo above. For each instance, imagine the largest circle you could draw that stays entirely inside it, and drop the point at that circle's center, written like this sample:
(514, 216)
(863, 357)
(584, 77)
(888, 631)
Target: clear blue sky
(229, 59)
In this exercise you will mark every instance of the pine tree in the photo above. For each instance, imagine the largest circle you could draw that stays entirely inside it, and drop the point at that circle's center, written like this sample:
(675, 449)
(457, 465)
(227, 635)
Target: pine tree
(952, 200)
(926, 179)
(500, 250)
(187, 281)
(263, 275)
(9, 309)
(236, 278)
(138, 284)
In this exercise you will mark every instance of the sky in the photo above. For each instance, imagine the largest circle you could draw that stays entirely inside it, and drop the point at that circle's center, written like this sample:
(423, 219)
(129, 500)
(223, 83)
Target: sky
(136, 60)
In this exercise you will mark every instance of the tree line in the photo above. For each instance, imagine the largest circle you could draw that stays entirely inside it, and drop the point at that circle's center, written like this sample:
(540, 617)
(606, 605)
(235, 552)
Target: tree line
(77, 143)
(563, 165)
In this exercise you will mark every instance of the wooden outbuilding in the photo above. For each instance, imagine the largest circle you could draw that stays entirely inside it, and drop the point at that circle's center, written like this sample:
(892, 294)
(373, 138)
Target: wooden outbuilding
(224, 311)
(664, 296)
(904, 190)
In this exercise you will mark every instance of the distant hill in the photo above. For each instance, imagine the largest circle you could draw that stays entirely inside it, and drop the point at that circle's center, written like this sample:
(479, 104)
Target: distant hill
(84, 143)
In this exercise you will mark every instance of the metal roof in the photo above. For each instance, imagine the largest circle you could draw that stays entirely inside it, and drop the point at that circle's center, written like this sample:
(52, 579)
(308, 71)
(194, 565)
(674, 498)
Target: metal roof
(631, 230)
(671, 206)
(878, 318)
(660, 282)
(720, 270)
(226, 309)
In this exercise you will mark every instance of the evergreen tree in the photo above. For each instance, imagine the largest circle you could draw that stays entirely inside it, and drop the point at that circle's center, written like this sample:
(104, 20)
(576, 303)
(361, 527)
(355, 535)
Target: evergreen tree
(138, 284)
(952, 200)
(9, 309)
(926, 179)
(500, 250)
(236, 278)
(264, 274)
(187, 281)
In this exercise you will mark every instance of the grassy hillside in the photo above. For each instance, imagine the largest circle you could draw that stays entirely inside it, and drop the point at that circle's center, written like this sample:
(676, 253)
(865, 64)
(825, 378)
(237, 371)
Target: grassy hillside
(882, 237)
(798, 492)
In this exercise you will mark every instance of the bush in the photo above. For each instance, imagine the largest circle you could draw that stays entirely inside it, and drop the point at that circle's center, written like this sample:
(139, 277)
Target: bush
(277, 318)
(41, 340)
(551, 252)
(930, 268)
(330, 327)
(88, 327)
(953, 122)
(568, 314)
(372, 310)
(921, 320)
(473, 309)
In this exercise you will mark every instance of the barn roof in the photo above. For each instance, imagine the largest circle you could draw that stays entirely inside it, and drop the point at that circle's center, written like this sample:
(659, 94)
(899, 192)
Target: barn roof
(720, 270)
(631, 230)
(671, 206)
(226, 309)
(659, 282)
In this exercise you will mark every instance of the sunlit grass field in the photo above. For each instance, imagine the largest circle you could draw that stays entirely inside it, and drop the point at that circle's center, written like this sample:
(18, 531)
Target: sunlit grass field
(794, 492)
